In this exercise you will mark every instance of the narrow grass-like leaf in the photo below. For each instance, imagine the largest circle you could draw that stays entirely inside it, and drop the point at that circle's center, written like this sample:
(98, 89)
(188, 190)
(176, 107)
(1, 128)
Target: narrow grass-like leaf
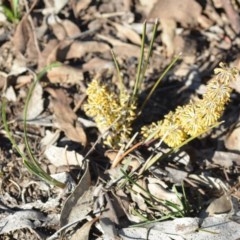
(149, 54)
(122, 86)
(179, 211)
(175, 59)
(15, 8)
(31, 164)
(140, 64)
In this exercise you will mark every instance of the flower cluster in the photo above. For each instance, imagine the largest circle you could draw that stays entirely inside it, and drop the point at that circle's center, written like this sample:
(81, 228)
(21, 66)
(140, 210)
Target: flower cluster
(195, 117)
(111, 113)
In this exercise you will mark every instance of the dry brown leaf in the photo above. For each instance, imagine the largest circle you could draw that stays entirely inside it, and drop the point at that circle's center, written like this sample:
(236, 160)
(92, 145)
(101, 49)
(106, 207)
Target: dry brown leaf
(63, 28)
(78, 49)
(170, 12)
(120, 48)
(48, 55)
(232, 141)
(127, 32)
(60, 157)
(65, 74)
(127, 51)
(83, 232)
(168, 35)
(219, 205)
(232, 14)
(24, 40)
(97, 64)
(78, 6)
(3, 79)
(23, 80)
(177, 10)
(66, 118)
(226, 159)
(80, 202)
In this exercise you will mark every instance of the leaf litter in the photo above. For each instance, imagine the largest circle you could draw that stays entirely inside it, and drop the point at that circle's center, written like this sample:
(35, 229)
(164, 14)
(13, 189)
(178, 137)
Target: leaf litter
(99, 202)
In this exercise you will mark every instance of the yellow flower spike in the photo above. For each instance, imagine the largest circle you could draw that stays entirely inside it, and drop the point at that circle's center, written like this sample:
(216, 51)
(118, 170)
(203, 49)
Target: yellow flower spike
(218, 92)
(190, 119)
(225, 74)
(195, 117)
(110, 112)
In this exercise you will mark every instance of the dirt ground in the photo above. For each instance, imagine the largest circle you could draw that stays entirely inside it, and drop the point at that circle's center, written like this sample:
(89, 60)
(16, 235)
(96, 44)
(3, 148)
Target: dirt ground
(95, 199)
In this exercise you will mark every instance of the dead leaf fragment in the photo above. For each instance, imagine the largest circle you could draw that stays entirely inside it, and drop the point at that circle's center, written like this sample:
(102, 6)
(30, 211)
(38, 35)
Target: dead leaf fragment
(219, 205)
(80, 202)
(24, 40)
(65, 74)
(63, 28)
(66, 118)
(226, 159)
(83, 232)
(35, 105)
(59, 157)
(232, 141)
(20, 220)
(178, 11)
(122, 49)
(97, 64)
(78, 49)
(78, 6)
(127, 32)
(3, 79)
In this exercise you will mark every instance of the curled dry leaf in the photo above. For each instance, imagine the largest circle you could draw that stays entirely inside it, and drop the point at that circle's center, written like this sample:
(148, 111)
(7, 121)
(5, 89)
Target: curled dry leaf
(80, 202)
(78, 6)
(83, 232)
(170, 12)
(127, 32)
(59, 157)
(78, 49)
(122, 49)
(219, 205)
(179, 11)
(159, 190)
(98, 64)
(233, 15)
(10, 94)
(66, 118)
(226, 159)
(65, 74)
(63, 28)
(24, 40)
(48, 54)
(69, 49)
(232, 141)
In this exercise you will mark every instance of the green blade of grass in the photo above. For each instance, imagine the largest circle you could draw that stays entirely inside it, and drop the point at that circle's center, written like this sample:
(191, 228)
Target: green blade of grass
(31, 164)
(175, 59)
(150, 49)
(140, 64)
(122, 87)
(15, 8)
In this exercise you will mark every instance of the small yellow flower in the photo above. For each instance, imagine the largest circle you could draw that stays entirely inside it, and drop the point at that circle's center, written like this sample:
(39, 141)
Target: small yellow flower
(195, 117)
(218, 92)
(190, 118)
(110, 112)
